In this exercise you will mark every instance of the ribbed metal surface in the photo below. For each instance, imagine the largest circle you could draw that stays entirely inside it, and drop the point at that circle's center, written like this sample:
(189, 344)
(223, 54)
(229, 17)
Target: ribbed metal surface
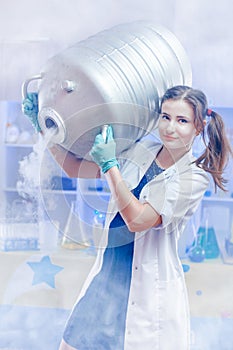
(114, 77)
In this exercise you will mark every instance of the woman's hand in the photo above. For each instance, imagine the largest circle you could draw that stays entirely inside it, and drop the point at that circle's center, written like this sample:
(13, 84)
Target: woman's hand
(104, 152)
(30, 109)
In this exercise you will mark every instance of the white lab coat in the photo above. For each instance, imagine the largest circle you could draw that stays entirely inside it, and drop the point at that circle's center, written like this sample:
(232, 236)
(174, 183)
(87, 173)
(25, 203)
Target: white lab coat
(158, 312)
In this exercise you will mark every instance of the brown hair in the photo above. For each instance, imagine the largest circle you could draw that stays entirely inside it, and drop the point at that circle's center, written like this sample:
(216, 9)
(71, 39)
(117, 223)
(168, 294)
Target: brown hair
(218, 149)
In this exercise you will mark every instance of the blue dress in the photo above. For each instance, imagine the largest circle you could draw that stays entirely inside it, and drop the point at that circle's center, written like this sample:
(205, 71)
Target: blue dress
(97, 322)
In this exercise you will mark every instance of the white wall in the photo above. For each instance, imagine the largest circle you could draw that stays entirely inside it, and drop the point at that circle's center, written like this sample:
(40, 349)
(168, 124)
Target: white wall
(32, 30)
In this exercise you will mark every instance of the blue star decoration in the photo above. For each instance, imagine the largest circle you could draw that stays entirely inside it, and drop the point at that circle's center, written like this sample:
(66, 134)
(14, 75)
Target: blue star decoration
(44, 271)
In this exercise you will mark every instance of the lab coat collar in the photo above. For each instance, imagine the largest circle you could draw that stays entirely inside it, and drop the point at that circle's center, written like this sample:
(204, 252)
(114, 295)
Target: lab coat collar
(140, 158)
(179, 166)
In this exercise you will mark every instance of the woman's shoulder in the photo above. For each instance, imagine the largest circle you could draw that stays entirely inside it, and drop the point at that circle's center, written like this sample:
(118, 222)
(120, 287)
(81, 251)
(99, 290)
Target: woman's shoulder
(149, 142)
(186, 168)
(192, 171)
(146, 146)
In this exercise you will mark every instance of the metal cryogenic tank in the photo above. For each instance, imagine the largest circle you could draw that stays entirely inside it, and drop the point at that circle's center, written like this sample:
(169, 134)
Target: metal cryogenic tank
(115, 77)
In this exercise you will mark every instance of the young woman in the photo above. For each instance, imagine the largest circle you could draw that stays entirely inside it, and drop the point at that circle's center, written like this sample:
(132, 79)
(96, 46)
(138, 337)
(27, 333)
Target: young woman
(135, 296)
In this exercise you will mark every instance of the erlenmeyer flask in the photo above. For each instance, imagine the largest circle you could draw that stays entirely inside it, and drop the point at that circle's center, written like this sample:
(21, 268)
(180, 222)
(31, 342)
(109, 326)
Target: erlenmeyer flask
(197, 252)
(210, 243)
(76, 230)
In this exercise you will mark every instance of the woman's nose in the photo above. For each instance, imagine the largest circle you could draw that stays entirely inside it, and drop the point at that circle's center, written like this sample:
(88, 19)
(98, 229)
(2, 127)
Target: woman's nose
(171, 127)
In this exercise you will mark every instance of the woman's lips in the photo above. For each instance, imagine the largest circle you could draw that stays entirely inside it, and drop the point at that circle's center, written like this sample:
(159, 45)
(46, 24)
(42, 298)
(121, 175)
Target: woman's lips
(169, 137)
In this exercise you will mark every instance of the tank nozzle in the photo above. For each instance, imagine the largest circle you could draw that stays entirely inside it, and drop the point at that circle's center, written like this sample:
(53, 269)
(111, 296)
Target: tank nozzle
(50, 123)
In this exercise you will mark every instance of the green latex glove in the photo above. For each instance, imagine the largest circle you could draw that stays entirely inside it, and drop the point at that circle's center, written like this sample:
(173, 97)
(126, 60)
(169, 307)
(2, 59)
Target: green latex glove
(30, 109)
(104, 153)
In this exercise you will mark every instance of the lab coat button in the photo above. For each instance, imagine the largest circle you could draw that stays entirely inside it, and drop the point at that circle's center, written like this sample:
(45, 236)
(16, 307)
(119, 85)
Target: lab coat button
(136, 268)
(133, 303)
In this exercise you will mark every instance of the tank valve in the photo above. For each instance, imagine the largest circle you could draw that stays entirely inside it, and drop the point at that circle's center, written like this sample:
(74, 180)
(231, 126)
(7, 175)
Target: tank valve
(68, 85)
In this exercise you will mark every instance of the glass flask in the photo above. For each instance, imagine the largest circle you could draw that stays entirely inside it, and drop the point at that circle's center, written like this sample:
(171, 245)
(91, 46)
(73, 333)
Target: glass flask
(197, 252)
(211, 245)
(76, 230)
(205, 244)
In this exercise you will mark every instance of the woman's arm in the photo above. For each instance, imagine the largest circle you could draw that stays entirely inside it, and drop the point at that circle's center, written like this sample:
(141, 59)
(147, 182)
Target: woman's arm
(73, 166)
(138, 216)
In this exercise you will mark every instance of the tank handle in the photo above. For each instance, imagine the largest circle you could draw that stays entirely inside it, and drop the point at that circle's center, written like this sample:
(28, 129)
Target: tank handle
(104, 132)
(27, 82)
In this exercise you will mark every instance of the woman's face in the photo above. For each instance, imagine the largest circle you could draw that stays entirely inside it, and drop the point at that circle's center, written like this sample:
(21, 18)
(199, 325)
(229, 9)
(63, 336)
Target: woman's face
(176, 125)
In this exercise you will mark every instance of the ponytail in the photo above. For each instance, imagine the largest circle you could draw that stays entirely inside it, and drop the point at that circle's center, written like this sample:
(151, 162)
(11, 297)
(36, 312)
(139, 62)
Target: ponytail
(217, 152)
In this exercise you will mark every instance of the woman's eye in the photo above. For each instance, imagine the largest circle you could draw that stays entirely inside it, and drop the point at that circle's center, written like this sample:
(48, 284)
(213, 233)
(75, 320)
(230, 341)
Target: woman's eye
(164, 116)
(183, 121)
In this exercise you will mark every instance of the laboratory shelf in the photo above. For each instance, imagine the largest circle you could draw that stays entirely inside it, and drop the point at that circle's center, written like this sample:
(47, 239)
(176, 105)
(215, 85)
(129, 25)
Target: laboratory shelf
(223, 200)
